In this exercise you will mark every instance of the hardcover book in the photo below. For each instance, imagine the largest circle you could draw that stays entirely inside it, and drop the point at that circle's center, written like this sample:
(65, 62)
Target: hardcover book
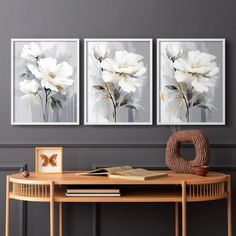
(125, 172)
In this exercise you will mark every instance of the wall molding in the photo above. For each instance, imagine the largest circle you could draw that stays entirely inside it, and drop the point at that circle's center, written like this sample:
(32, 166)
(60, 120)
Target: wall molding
(22, 204)
(108, 145)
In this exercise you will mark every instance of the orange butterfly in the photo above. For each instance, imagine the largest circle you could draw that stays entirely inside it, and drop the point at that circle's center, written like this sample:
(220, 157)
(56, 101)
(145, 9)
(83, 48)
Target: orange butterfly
(46, 160)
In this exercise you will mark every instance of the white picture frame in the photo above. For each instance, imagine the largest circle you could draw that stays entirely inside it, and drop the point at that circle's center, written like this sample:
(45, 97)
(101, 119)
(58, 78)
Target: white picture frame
(112, 42)
(73, 44)
(203, 43)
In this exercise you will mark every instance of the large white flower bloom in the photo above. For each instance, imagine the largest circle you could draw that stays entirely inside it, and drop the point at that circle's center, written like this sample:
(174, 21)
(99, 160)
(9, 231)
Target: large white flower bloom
(52, 75)
(198, 70)
(174, 51)
(101, 51)
(30, 51)
(126, 70)
(30, 89)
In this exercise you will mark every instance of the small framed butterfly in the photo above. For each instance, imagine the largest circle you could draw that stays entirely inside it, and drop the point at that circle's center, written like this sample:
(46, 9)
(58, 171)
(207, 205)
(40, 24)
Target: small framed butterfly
(48, 160)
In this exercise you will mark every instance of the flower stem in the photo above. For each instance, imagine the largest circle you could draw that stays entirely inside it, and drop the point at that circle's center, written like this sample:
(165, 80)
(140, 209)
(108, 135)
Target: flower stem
(44, 118)
(47, 92)
(187, 113)
(113, 102)
(185, 101)
(110, 96)
(114, 114)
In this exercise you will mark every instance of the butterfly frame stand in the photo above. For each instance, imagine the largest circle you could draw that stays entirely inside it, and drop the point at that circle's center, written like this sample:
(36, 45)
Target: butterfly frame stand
(48, 160)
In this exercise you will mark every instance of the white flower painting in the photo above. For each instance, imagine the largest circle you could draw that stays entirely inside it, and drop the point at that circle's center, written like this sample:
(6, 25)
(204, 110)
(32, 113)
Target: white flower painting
(191, 81)
(118, 81)
(45, 81)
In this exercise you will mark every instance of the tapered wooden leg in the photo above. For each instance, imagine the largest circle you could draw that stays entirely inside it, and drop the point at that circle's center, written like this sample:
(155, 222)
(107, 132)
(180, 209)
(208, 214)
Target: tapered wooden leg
(60, 219)
(51, 209)
(229, 206)
(184, 225)
(176, 219)
(7, 227)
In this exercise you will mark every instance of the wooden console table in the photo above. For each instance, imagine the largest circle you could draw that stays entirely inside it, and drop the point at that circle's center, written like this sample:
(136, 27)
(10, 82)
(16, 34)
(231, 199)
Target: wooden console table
(176, 188)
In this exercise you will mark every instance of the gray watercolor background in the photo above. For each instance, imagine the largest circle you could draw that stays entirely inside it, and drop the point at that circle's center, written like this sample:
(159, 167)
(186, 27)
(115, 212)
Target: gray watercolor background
(202, 115)
(143, 93)
(25, 113)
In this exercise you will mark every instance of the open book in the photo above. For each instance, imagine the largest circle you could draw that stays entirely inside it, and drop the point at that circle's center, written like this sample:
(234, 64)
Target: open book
(125, 172)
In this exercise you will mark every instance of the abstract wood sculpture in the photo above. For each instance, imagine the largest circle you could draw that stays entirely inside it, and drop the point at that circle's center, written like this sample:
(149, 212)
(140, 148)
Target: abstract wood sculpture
(173, 158)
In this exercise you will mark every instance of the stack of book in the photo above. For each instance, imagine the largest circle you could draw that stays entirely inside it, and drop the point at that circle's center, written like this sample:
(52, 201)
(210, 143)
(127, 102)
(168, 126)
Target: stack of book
(93, 193)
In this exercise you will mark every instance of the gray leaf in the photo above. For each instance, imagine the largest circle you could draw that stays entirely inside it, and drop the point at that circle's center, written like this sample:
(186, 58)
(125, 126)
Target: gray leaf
(189, 94)
(126, 99)
(203, 106)
(132, 106)
(116, 94)
(24, 75)
(110, 86)
(207, 106)
(99, 87)
(55, 103)
(171, 87)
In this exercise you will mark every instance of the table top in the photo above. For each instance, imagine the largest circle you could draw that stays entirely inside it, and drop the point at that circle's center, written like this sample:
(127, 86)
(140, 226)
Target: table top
(73, 178)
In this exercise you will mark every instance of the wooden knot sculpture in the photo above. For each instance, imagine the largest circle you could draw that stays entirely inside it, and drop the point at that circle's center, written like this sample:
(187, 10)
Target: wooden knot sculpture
(173, 158)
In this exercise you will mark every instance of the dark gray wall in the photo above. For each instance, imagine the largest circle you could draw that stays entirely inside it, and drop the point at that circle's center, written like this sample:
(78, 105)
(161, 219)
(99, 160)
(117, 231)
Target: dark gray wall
(114, 18)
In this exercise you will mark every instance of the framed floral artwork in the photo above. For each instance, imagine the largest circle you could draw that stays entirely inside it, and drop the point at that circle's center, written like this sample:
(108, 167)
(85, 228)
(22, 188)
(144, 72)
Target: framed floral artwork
(191, 81)
(48, 160)
(118, 82)
(45, 81)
